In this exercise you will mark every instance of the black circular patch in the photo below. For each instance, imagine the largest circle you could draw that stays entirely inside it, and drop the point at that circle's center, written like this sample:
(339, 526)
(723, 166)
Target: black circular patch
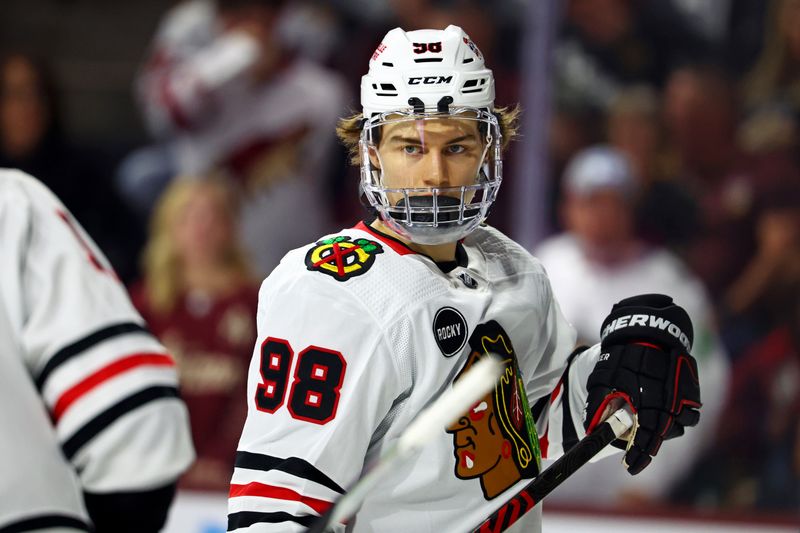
(449, 330)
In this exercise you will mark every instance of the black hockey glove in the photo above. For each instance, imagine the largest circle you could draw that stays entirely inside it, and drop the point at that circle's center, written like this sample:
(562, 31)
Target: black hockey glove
(645, 361)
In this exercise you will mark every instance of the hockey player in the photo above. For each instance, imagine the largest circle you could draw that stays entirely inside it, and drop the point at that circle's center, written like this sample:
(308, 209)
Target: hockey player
(95, 434)
(361, 330)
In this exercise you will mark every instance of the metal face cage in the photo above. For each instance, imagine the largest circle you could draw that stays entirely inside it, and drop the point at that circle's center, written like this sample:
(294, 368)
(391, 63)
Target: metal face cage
(432, 176)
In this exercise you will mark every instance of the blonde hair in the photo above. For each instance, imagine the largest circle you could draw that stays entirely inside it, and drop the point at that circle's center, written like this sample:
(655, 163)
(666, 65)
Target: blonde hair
(161, 262)
(349, 130)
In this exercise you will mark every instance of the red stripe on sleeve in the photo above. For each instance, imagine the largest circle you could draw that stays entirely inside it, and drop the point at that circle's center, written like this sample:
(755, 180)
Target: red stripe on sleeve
(555, 392)
(278, 493)
(107, 372)
(544, 440)
(544, 443)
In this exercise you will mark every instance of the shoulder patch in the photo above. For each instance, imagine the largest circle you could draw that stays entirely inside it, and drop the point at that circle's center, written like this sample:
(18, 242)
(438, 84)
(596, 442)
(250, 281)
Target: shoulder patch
(449, 331)
(341, 257)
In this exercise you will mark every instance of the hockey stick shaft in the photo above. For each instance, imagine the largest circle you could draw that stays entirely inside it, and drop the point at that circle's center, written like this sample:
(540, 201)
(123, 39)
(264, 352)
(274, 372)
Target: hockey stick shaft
(526, 499)
(472, 386)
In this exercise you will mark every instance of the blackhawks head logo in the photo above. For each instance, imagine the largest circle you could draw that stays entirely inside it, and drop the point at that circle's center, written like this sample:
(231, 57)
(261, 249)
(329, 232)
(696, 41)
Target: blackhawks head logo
(341, 257)
(496, 439)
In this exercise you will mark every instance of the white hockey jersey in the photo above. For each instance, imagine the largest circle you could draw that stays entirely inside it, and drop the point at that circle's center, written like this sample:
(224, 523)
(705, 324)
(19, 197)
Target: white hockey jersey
(88, 398)
(356, 335)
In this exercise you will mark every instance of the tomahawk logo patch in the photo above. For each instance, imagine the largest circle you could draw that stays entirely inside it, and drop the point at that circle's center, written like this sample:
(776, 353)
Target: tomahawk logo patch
(449, 330)
(342, 258)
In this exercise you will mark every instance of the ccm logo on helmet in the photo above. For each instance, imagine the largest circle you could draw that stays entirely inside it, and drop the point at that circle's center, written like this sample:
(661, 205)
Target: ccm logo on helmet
(663, 324)
(430, 80)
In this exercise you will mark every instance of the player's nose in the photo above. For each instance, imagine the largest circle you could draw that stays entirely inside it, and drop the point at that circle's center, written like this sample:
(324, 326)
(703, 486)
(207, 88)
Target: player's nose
(436, 174)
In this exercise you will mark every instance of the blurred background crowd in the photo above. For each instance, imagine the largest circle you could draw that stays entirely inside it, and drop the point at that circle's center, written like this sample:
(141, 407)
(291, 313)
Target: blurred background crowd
(195, 142)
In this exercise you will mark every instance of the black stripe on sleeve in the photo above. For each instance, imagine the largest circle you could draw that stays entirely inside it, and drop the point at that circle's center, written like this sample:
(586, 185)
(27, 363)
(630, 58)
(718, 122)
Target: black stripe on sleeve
(248, 518)
(291, 465)
(68, 352)
(46, 521)
(538, 407)
(107, 417)
(569, 436)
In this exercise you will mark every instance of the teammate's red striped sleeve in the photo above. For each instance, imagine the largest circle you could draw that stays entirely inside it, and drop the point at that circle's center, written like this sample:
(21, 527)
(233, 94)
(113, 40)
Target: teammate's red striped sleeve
(278, 493)
(555, 392)
(107, 372)
(544, 443)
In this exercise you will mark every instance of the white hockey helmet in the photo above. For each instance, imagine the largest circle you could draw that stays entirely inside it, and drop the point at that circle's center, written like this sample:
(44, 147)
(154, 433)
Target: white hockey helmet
(424, 82)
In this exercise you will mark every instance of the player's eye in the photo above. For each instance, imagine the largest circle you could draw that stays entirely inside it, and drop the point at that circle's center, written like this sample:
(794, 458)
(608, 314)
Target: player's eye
(412, 149)
(477, 412)
(456, 149)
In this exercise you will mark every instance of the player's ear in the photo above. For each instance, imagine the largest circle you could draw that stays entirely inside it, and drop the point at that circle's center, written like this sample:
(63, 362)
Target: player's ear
(373, 157)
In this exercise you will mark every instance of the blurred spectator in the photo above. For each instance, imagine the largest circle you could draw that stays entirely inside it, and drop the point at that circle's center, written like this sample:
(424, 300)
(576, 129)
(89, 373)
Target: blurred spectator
(571, 129)
(312, 29)
(666, 213)
(734, 27)
(754, 461)
(701, 114)
(220, 88)
(776, 75)
(596, 263)
(199, 299)
(606, 44)
(768, 290)
(634, 128)
(709, 17)
(758, 449)
(32, 139)
(770, 130)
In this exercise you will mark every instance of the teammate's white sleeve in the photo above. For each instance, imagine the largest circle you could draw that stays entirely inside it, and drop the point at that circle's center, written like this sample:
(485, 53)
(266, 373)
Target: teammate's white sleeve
(557, 387)
(190, 62)
(109, 386)
(322, 379)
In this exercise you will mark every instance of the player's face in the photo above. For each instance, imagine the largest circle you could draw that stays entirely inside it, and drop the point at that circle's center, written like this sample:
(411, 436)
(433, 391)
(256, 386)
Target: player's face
(430, 153)
(477, 439)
